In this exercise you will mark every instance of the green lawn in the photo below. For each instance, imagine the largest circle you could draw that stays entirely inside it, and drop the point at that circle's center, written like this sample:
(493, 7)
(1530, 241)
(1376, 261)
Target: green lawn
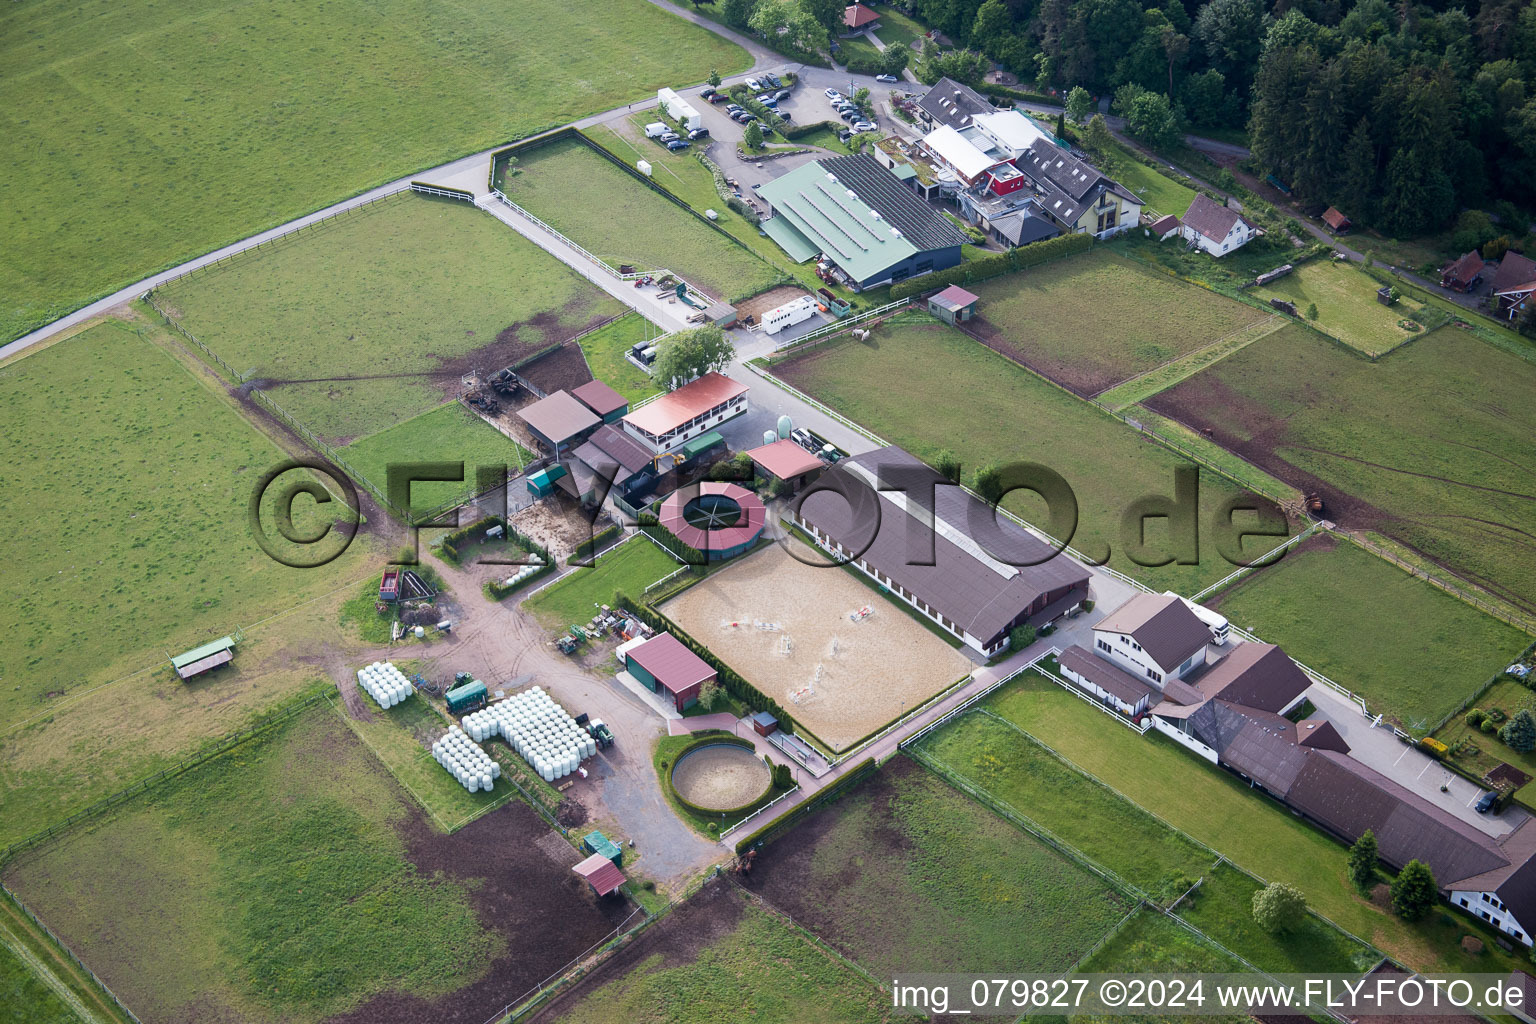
(1346, 305)
(1137, 319)
(1430, 446)
(135, 478)
(619, 220)
(1151, 943)
(137, 138)
(1223, 909)
(628, 569)
(449, 433)
(1411, 650)
(1223, 812)
(906, 874)
(1158, 192)
(742, 963)
(374, 317)
(26, 998)
(1484, 751)
(270, 883)
(605, 349)
(987, 410)
(1024, 776)
(896, 28)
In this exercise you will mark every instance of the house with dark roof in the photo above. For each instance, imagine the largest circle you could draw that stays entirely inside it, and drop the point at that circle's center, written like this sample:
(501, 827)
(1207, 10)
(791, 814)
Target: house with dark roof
(1165, 227)
(971, 571)
(857, 216)
(609, 460)
(559, 421)
(1513, 283)
(1155, 637)
(1464, 273)
(605, 403)
(1215, 228)
(1076, 195)
(951, 103)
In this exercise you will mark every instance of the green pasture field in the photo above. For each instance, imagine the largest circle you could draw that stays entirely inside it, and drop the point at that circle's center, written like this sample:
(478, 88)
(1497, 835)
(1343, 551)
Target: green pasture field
(896, 28)
(628, 569)
(720, 958)
(140, 137)
(987, 410)
(1410, 649)
(271, 882)
(620, 221)
(1151, 943)
(1094, 320)
(605, 349)
(1019, 773)
(26, 997)
(449, 433)
(1225, 813)
(133, 477)
(1429, 446)
(1222, 908)
(906, 874)
(1346, 305)
(373, 317)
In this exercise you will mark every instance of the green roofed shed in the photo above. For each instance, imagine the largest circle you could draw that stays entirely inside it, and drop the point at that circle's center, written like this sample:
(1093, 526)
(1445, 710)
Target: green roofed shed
(201, 659)
(795, 245)
(904, 172)
(596, 842)
(701, 444)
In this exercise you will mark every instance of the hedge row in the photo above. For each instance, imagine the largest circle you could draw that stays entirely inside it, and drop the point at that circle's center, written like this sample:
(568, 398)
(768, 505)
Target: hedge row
(733, 683)
(652, 528)
(495, 591)
(800, 131)
(995, 91)
(589, 547)
(449, 545)
(995, 265)
(709, 738)
(823, 797)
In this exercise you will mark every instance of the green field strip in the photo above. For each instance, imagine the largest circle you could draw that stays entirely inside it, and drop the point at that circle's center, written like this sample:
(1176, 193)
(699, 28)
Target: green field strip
(1138, 389)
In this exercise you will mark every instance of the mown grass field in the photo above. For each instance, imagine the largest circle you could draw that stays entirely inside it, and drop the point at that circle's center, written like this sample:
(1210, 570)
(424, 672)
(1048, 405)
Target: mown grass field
(271, 883)
(1223, 812)
(628, 568)
(1150, 943)
(617, 219)
(987, 410)
(373, 317)
(1346, 305)
(719, 958)
(1117, 835)
(1430, 446)
(1094, 320)
(1411, 650)
(27, 998)
(1157, 191)
(449, 433)
(905, 874)
(140, 137)
(131, 478)
(605, 349)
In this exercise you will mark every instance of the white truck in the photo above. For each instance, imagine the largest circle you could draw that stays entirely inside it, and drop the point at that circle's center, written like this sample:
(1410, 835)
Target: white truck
(679, 109)
(791, 313)
(656, 130)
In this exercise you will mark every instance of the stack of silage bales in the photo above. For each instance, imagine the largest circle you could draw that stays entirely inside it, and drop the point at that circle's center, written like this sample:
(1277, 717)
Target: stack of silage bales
(521, 574)
(538, 729)
(465, 760)
(386, 684)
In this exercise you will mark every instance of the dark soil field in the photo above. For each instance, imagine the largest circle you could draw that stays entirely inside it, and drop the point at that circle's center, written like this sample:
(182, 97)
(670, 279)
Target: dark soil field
(1430, 446)
(907, 875)
(563, 369)
(293, 880)
(718, 957)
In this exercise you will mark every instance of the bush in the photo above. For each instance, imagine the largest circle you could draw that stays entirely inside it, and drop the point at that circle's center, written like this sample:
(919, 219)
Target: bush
(1020, 637)
(1520, 732)
(1414, 891)
(1487, 726)
(995, 265)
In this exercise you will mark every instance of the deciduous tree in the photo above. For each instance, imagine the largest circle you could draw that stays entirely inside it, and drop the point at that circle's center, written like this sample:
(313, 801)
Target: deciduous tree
(1414, 891)
(693, 353)
(1279, 907)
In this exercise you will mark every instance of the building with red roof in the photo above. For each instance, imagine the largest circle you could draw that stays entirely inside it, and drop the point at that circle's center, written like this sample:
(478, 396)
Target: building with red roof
(1336, 221)
(953, 305)
(1463, 275)
(857, 18)
(787, 461)
(600, 874)
(696, 408)
(662, 664)
(605, 403)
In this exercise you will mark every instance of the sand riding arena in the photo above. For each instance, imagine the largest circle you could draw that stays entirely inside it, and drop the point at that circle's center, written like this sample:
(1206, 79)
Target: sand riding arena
(839, 657)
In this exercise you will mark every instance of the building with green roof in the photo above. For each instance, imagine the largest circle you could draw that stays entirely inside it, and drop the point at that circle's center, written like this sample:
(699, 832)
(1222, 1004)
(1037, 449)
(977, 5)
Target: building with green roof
(855, 214)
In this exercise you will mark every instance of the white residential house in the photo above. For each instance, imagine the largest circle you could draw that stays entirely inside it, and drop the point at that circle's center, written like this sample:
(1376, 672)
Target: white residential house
(1215, 228)
(1153, 637)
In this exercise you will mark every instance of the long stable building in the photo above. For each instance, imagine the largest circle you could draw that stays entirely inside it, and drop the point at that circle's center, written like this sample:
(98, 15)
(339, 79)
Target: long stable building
(944, 552)
(853, 213)
(677, 417)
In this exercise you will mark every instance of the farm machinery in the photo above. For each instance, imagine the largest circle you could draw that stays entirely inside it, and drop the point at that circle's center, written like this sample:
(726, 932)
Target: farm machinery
(597, 729)
(571, 639)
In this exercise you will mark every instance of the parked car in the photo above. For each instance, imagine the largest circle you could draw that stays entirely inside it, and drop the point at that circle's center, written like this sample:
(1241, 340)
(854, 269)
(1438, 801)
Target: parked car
(774, 80)
(718, 97)
(707, 91)
(784, 115)
(863, 126)
(698, 133)
(833, 95)
(1485, 804)
(888, 79)
(769, 102)
(655, 130)
(756, 187)
(741, 117)
(754, 85)
(848, 115)
(676, 144)
(781, 95)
